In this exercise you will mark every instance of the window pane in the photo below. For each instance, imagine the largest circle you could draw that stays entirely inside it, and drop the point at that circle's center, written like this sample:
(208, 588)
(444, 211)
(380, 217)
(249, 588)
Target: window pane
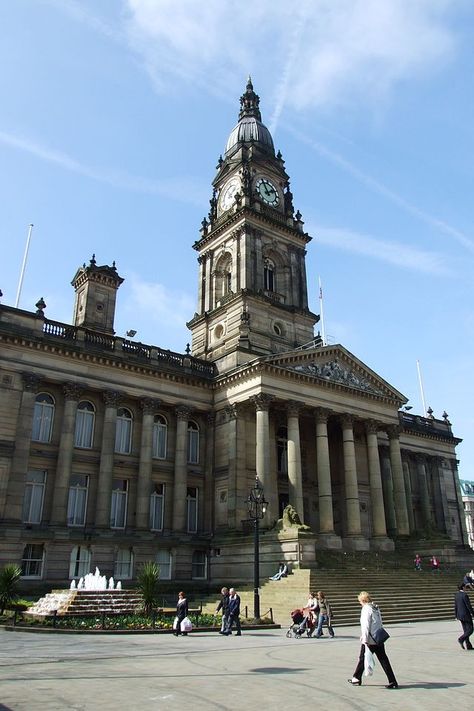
(193, 443)
(80, 562)
(192, 503)
(123, 432)
(123, 564)
(77, 502)
(84, 425)
(160, 431)
(118, 510)
(163, 558)
(199, 565)
(32, 561)
(34, 496)
(43, 418)
(157, 508)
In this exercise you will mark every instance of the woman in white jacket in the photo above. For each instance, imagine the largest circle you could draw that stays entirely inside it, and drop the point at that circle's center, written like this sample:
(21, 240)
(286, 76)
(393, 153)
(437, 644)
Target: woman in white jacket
(370, 622)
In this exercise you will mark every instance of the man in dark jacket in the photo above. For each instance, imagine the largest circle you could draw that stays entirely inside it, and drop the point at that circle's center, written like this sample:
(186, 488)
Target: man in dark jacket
(224, 606)
(464, 613)
(234, 613)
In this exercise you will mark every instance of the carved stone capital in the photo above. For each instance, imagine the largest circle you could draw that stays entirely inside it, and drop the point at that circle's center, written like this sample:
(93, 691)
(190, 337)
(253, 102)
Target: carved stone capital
(372, 426)
(321, 415)
(72, 391)
(293, 407)
(210, 419)
(149, 405)
(112, 398)
(183, 412)
(30, 381)
(420, 459)
(262, 401)
(346, 420)
(233, 410)
(393, 431)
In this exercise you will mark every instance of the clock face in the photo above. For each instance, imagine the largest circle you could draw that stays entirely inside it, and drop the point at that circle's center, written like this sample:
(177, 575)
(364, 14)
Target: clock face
(228, 193)
(268, 192)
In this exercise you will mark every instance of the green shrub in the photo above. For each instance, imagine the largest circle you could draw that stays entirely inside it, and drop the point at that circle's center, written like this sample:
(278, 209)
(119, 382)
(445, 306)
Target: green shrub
(147, 580)
(9, 577)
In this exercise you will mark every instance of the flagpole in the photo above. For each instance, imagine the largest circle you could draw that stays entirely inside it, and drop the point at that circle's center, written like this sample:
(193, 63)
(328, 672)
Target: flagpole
(421, 388)
(321, 312)
(23, 267)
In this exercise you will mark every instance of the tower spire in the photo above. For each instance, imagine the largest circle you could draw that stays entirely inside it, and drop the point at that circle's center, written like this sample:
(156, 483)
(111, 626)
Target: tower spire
(249, 102)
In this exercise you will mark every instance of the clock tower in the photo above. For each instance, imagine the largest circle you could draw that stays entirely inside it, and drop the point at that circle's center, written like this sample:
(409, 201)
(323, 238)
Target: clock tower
(252, 297)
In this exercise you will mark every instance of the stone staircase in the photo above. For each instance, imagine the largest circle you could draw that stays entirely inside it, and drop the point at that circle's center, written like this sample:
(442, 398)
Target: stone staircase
(403, 595)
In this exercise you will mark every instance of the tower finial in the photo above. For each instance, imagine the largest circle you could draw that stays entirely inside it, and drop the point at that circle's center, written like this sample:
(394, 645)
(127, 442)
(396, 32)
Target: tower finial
(249, 102)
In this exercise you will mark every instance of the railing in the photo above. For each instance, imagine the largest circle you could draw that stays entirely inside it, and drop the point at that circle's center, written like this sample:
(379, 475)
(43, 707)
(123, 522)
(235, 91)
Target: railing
(102, 340)
(60, 330)
(137, 349)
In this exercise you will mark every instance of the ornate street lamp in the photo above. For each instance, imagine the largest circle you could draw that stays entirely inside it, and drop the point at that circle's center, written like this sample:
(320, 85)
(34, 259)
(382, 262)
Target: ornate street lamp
(256, 507)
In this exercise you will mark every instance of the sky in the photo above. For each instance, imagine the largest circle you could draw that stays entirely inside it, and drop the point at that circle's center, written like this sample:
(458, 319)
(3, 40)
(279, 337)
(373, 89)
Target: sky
(114, 114)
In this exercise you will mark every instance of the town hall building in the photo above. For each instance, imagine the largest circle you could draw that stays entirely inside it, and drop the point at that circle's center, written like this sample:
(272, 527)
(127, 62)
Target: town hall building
(114, 452)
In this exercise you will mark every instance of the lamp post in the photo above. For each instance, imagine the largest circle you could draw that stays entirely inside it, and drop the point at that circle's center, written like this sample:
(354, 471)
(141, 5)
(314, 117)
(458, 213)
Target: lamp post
(256, 508)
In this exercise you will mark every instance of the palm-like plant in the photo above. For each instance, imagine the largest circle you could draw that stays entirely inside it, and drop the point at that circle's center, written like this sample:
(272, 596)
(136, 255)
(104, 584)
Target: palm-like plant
(147, 579)
(9, 577)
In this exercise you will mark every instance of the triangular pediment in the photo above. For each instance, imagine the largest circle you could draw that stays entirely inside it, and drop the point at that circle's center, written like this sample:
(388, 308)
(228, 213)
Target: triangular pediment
(337, 366)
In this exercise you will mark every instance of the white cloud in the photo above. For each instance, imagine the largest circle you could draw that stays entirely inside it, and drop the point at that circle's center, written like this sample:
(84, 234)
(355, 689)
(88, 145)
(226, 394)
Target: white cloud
(183, 189)
(316, 53)
(397, 254)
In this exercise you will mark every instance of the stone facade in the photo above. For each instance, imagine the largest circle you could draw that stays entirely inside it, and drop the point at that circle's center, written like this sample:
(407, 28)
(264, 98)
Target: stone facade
(114, 452)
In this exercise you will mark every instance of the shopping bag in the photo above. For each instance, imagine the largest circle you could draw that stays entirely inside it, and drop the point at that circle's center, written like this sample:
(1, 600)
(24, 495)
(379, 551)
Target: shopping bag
(186, 625)
(369, 662)
(175, 623)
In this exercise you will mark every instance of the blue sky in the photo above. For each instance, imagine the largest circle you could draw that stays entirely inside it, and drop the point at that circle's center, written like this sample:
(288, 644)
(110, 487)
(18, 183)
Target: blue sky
(114, 113)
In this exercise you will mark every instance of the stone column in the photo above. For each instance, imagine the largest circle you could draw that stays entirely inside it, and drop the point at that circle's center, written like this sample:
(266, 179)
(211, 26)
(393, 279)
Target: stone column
(142, 516)
(442, 516)
(460, 507)
(72, 393)
(424, 492)
(399, 496)
(180, 469)
(326, 513)
(375, 480)
(295, 478)
(268, 479)
(112, 400)
(387, 486)
(209, 488)
(19, 467)
(408, 493)
(350, 477)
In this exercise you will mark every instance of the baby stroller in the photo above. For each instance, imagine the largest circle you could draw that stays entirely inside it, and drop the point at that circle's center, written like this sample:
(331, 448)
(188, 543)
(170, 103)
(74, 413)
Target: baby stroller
(300, 623)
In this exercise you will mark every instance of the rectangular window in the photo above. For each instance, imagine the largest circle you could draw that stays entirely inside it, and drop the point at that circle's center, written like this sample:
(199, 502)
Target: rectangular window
(157, 505)
(34, 496)
(32, 561)
(199, 565)
(118, 509)
(80, 562)
(192, 502)
(163, 558)
(123, 564)
(160, 432)
(77, 501)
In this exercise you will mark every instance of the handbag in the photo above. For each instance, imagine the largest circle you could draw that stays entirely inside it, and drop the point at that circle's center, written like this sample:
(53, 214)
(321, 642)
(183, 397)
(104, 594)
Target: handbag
(186, 625)
(380, 636)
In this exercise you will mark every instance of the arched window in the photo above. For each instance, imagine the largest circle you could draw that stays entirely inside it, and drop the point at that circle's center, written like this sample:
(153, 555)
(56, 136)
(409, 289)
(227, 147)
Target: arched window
(43, 418)
(223, 277)
(157, 507)
(193, 443)
(85, 417)
(269, 275)
(80, 562)
(123, 568)
(199, 565)
(123, 432)
(282, 450)
(160, 437)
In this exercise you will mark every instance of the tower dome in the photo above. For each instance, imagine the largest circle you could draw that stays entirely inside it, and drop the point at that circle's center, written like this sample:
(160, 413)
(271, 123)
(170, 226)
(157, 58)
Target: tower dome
(250, 128)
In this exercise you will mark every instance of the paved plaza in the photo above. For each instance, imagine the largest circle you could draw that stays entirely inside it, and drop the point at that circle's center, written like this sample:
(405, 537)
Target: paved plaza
(261, 669)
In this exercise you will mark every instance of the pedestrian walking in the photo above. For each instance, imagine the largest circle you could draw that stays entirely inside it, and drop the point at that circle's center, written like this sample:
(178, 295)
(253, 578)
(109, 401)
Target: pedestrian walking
(325, 615)
(371, 635)
(181, 613)
(234, 613)
(464, 613)
(224, 606)
(417, 562)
